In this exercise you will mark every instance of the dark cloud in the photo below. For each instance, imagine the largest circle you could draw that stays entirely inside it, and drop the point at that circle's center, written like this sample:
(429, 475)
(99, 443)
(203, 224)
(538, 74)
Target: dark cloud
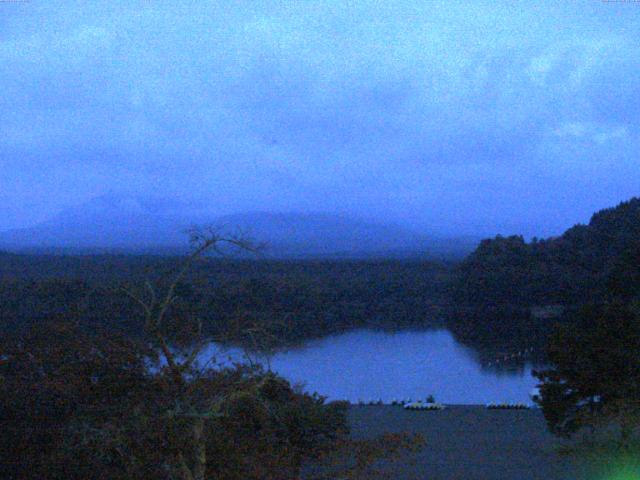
(478, 117)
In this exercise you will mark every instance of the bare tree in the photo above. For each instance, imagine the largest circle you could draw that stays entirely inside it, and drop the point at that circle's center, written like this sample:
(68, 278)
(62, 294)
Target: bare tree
(194, 404)
(156, 305)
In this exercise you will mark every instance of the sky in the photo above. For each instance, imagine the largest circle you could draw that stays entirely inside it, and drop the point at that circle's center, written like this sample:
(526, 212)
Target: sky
(464, 117)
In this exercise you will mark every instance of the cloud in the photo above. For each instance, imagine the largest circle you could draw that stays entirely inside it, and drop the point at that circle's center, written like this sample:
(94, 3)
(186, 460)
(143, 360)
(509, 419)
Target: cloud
(368, 107)
(598, 133)
(611, 134)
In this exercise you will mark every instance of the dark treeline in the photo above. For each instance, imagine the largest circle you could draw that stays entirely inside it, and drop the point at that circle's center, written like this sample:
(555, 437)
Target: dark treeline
(92, 388)
(586, 263)
(504, 298)
(593, 375)
(78, 399)
(508, 294)
(296, 300)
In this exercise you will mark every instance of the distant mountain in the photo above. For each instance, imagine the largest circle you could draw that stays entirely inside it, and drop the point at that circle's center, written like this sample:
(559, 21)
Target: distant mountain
(116, 222)
(131, 224)
(304, 234)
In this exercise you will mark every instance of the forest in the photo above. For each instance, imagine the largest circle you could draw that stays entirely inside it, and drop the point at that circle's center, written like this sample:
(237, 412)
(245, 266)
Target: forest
(587, 262)
(83, 395)
(79, 333)
(510, 293)
(296, 299)
(504, 297)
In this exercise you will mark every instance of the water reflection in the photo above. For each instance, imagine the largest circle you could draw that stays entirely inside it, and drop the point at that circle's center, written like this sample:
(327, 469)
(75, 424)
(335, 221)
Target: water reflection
(367, 365)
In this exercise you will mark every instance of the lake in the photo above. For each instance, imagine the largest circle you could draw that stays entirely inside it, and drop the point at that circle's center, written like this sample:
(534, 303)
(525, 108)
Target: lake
(367, 365)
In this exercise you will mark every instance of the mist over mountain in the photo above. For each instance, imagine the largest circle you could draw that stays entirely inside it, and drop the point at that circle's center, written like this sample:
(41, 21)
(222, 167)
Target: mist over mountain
(160, 225)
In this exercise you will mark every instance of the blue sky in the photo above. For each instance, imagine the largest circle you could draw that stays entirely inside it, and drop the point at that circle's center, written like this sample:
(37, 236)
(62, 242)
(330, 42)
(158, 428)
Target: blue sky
(450, 117)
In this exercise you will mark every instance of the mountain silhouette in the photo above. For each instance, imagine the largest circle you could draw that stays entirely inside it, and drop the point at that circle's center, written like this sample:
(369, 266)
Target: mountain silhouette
(137, 224)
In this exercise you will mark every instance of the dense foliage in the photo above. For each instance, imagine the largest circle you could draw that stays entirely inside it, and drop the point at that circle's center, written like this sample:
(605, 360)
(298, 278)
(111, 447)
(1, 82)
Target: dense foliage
(594, 378)
(499, 332)
(579, 266)
(80, 400)
(77, 406)
(508, 294)
(294, 299)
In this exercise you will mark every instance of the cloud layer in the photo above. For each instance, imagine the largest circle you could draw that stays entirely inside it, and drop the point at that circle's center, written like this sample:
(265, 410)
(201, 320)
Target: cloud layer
(479, 117)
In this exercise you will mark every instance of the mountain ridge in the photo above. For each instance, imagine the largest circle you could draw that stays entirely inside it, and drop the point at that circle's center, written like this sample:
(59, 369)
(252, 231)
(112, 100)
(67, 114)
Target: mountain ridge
(135, 224)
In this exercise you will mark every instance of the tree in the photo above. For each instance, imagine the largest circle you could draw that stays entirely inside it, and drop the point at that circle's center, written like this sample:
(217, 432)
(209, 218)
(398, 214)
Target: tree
(59, 385)
(594, 379)
(77, 403)
(193, 402)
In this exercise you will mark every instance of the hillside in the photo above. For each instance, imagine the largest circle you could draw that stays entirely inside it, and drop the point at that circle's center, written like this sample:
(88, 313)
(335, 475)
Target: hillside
(586, 263)
(133, 225)
(508, 294)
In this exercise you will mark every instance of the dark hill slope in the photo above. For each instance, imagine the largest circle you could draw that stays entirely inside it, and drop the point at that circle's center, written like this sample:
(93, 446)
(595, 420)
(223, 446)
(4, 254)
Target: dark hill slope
(587, 263)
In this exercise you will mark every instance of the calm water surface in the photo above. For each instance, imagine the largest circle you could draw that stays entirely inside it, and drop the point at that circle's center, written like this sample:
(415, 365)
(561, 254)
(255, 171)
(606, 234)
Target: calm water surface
(367, 365)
